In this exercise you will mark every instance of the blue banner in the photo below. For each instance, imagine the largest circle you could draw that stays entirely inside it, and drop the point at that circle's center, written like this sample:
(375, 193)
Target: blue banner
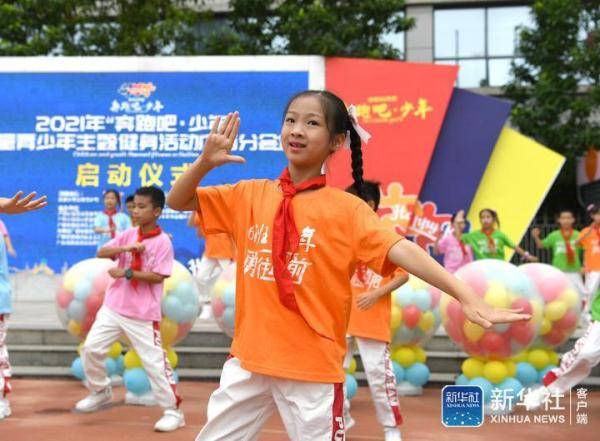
(73, 135)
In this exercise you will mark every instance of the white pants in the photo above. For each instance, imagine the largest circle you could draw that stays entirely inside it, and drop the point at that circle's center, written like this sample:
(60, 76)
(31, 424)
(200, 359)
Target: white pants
(145, 338)
(207, 274)
(375, 356)
(577, 364)
(245, 400)
(5, 370)
(576, 280)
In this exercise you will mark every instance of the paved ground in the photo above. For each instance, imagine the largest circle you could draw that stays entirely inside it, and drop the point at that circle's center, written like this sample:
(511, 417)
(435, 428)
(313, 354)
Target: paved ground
(42, 411)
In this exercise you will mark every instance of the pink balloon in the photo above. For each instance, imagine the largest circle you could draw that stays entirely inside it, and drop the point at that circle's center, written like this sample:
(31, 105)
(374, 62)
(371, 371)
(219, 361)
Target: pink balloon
(218, 307)
(454, 311)
(101, 283)
(568, 321)
(524, 304)
(183, 330)
(93, 303)
(436, 294)
(454, 331)
(552, 286)
(411, 315)
(522, 333)
(63, 298)
(475, 279)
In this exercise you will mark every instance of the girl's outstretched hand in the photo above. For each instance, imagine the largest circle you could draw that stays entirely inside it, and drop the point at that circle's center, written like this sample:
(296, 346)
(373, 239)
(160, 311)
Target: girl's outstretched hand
(220, 141)
(478, 311)
(17, 204)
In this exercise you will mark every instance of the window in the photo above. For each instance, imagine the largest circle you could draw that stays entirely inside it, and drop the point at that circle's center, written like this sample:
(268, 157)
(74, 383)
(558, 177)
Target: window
(482, 41)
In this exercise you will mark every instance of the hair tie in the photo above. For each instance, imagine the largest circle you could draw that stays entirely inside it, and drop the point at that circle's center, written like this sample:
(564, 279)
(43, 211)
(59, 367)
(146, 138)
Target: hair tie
(362, 133)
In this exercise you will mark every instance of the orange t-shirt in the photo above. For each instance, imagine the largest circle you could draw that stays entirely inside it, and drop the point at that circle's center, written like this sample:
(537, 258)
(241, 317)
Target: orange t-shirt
(591, 250)
(337, 230)
(373, 323)
(216, 246)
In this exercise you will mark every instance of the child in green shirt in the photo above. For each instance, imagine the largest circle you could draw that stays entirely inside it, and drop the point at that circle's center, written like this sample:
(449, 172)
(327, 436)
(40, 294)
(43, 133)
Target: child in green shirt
(489, 242)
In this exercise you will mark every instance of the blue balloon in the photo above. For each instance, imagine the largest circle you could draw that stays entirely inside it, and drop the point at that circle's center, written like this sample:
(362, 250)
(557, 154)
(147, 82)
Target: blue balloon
(461, 380)
(185, 292)
(229, 295)
(351, 386)
(190, 312)
(405, 296)
(399, 372)
(171, 307)
(485, 385)
(76, 310)
(175, 377)
(417, 374)
(511, 387)
(136, 381)
(120, 361)
(82, 290)
(403, 335)
(229, 317)
(543, 373)
(526, 373)
(111, 367)
(422, 299)
(77, 369)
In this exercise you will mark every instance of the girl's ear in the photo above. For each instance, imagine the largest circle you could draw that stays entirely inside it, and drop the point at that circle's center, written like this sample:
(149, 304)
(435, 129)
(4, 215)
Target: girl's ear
(338, 142)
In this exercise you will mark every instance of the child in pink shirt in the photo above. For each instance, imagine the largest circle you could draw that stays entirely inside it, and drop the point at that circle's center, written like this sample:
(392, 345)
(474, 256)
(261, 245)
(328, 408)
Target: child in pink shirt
(456, 253)
(144, 258)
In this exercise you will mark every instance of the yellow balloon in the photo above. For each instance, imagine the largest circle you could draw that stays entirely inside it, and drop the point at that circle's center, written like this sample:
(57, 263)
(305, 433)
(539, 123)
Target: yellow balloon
(352, 368)
(496, 296)
(521, 356)
(473, 331)
(169, 284)
(172, 357)
(427, 321)
(555, 310)
(168, 331)
(472, 368)
(132, 360)
(80, 347)
(545, 327)
(538, 358)
(416, 283)
(405, 356)
(495, 371)
(74, 328)
(420, 354)
(396, 317)
(554, 358)
(71, 278)
(115, 350)
(571, 298)
(511, 367)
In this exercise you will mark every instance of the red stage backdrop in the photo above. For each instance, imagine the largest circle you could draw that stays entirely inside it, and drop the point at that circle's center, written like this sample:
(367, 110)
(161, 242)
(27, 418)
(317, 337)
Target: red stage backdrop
(402, 105)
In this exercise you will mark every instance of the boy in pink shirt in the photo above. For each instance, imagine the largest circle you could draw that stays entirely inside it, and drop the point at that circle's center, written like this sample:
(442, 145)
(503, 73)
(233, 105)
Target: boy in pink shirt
(144, 258)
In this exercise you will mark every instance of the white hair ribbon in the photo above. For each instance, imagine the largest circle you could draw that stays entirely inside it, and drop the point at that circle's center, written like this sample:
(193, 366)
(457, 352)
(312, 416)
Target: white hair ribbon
(362, 133)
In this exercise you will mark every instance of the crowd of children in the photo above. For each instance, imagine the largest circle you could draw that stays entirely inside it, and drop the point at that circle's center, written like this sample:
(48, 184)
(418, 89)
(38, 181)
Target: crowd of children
(328, 266)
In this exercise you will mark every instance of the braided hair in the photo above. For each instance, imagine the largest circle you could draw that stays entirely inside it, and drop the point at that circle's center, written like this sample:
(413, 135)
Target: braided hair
(338, 122)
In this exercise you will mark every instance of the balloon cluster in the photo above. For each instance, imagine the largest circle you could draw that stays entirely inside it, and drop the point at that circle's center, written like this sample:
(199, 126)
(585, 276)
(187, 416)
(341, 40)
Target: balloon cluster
(490, 375)
(562, 304)
(135, 377)
(223, 301)
(414, 319)
(501, 285)
(534, 364)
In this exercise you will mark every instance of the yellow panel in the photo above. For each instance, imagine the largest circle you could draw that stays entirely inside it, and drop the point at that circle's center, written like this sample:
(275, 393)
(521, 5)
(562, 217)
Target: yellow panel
(515, 183)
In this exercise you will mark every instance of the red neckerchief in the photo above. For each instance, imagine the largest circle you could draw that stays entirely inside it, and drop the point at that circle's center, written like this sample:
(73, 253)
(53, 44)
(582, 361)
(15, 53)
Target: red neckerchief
(286, 238)
(111, 222)
(491, 242)
(361, 273)
(136, 263)
(566, 235)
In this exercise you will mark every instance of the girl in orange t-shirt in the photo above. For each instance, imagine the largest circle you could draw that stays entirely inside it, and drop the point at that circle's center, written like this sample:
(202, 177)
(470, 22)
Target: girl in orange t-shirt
(298, 242)
(369, 328)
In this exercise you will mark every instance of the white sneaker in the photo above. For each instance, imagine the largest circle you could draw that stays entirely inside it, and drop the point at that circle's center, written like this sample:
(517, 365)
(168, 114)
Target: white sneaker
(534, 399)
(140, 400)
(392, 434)
(4, 408)
(349, 421)
(95, 401)
(171, 420)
